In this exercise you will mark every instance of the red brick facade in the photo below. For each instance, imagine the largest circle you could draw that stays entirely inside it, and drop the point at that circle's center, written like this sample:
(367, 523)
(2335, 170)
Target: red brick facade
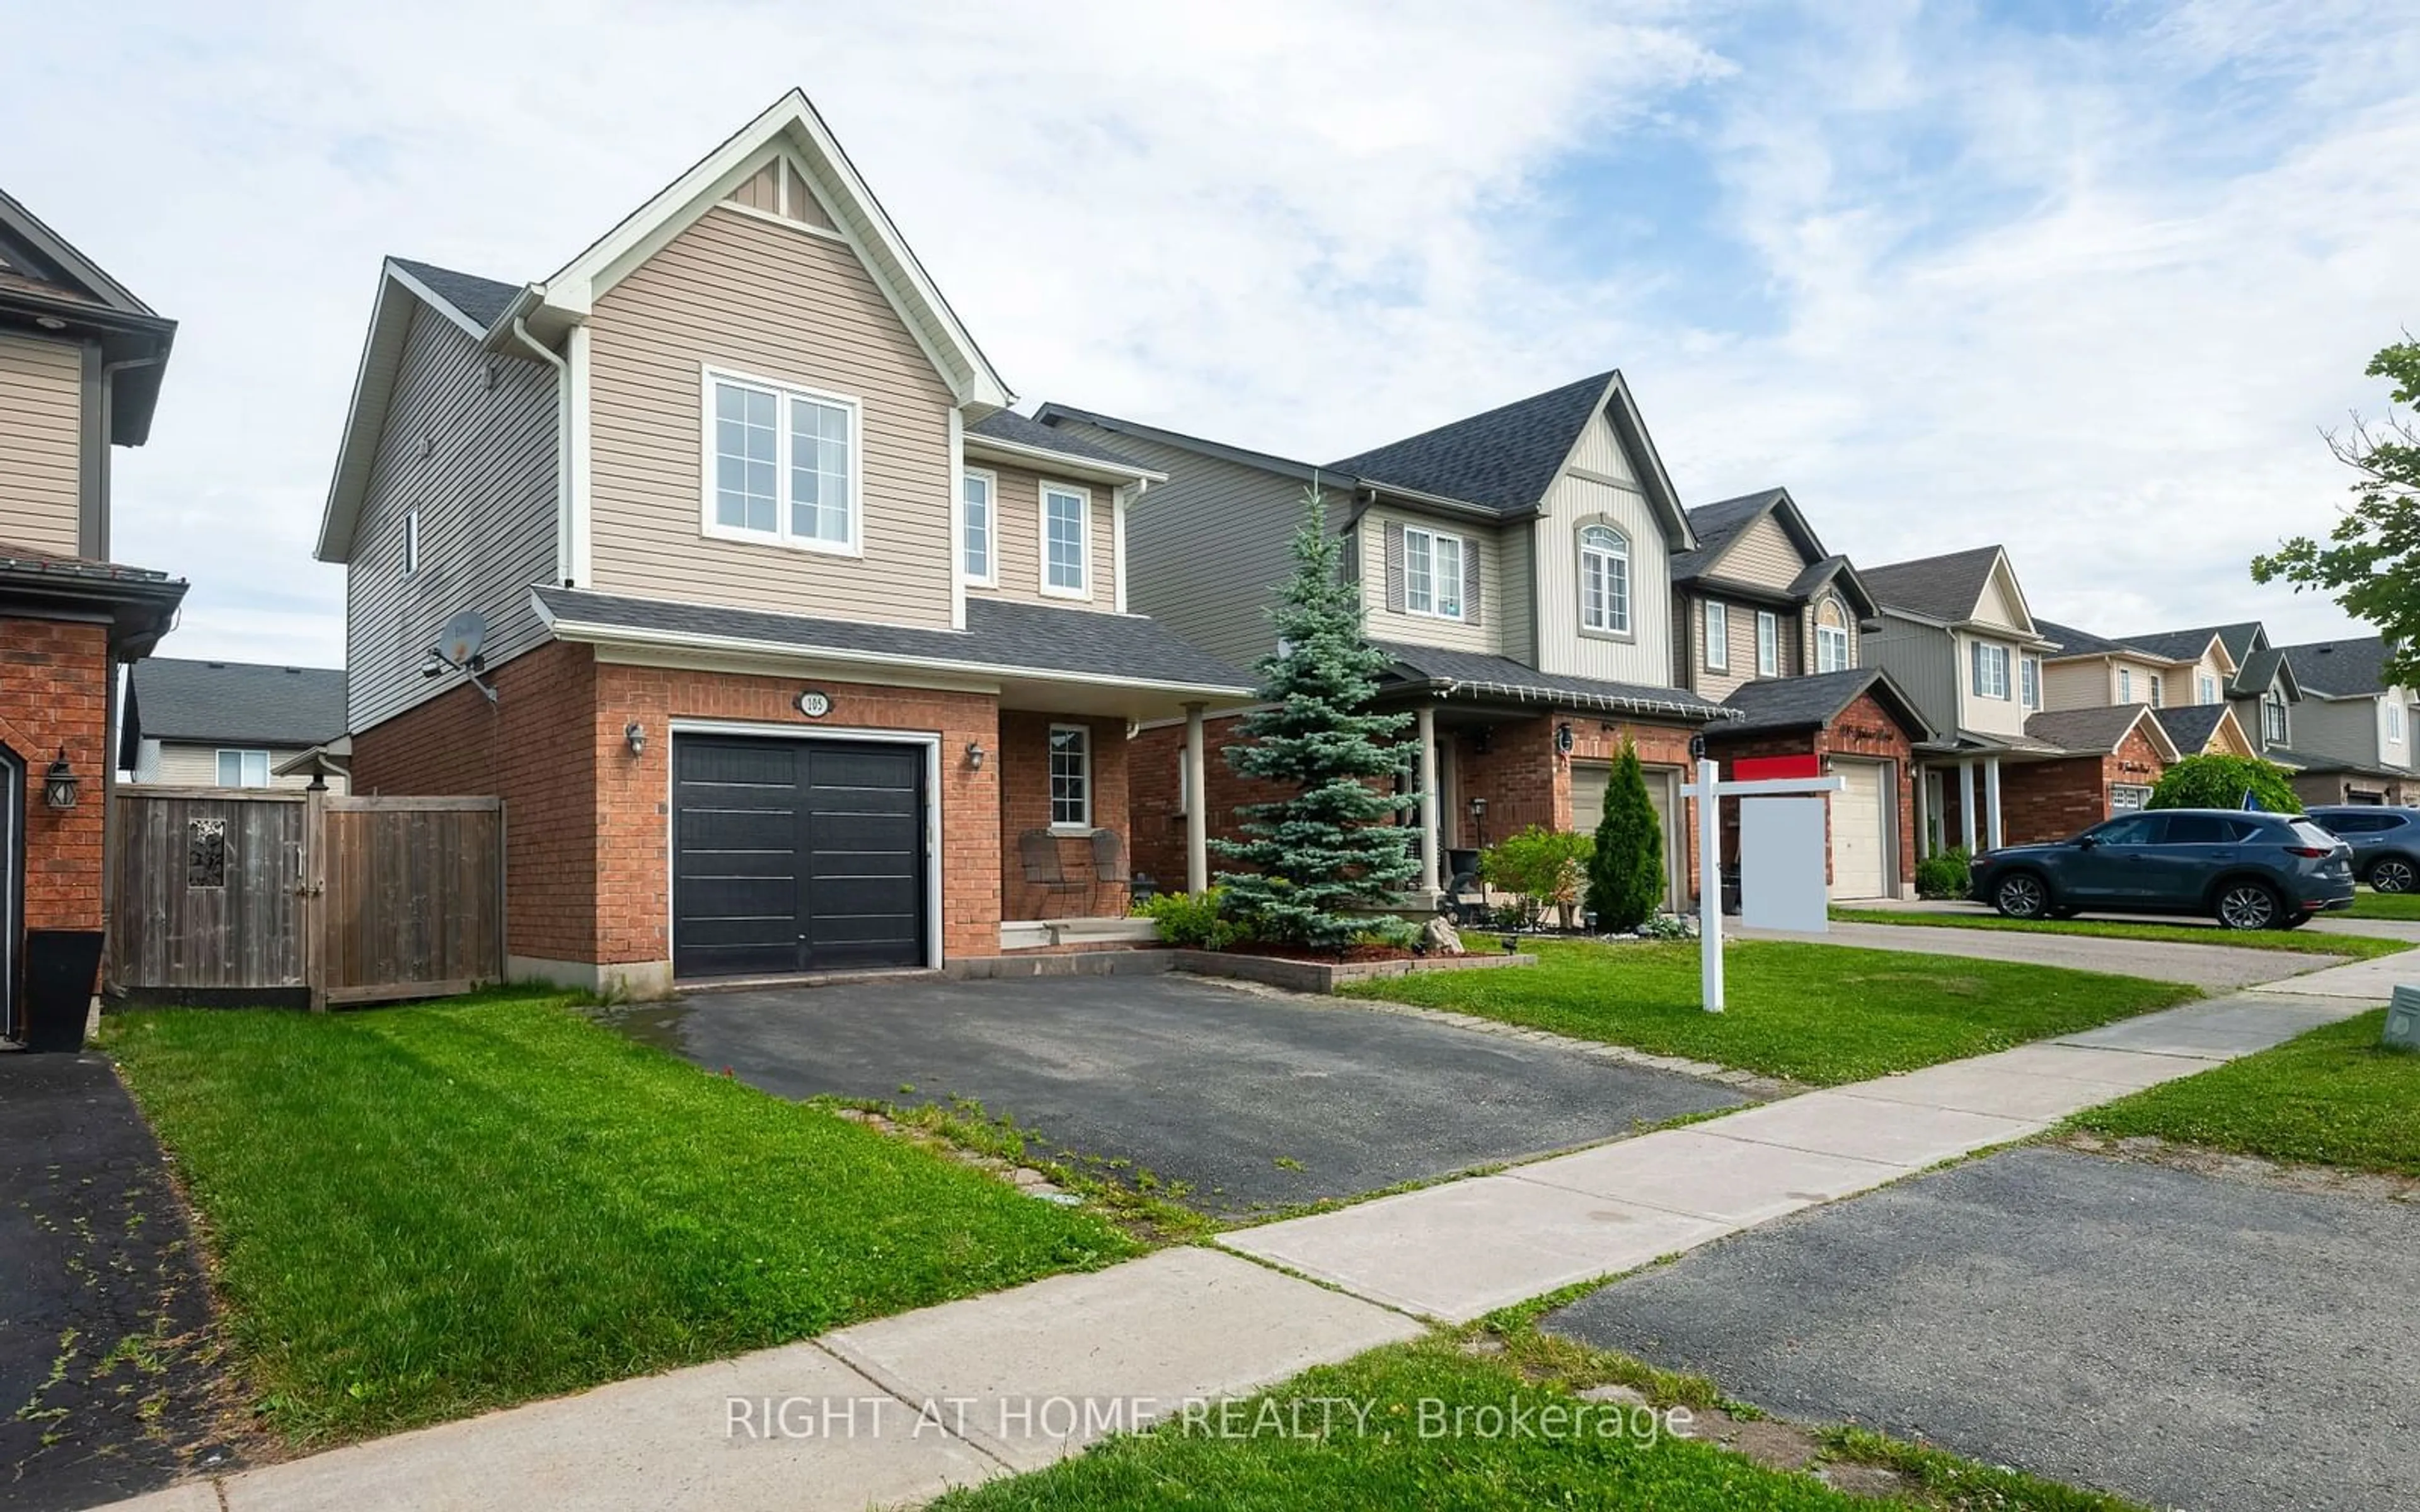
(588, 823)
(1025, 806)
(1864, 729)
(56, 676)
(2051, 800)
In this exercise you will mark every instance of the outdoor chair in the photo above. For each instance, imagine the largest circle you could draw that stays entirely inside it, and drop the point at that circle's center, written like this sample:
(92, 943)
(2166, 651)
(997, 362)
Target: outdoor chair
(1108, 864)
(1037, 851)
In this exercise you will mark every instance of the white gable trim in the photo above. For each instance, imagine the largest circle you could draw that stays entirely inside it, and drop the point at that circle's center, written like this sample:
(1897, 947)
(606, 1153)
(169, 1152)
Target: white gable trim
(792, 125)
(2007, 576)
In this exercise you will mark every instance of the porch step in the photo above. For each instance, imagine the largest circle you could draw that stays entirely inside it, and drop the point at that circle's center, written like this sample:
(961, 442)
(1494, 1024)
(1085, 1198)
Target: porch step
(1043, 933)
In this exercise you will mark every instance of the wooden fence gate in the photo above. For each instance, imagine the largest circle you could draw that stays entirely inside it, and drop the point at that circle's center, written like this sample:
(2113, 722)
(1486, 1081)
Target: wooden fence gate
(351, 900)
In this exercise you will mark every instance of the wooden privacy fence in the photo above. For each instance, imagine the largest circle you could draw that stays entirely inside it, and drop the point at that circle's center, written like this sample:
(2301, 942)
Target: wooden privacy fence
(353, 900)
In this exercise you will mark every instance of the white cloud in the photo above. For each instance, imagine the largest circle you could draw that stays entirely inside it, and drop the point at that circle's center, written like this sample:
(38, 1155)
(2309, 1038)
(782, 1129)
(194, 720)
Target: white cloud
(2101, 326)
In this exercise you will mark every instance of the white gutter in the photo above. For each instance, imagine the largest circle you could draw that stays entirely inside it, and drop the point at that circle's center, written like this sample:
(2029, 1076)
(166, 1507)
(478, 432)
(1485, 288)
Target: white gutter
(563, 523)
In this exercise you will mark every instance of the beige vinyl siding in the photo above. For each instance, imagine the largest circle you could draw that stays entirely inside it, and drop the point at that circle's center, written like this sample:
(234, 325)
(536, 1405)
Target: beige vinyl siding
(2208, 667)
(1921, 658)
(1990, 715)
(1739, 642)
(1763, 554)
(1998, 606)
(178, 764)
(41, 407)
(1428, 629)
(2396, 746)
(1645, 656)
(739, 293)
(1205, 549)
(478, 464)
(2076, 685)
(1016, 539)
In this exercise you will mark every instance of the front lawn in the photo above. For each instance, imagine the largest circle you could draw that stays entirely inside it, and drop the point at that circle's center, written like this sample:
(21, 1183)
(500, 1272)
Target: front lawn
(2333, 1096)
(1816, 1013)
(417, 1213)
(2357, 947)
(2397, 905)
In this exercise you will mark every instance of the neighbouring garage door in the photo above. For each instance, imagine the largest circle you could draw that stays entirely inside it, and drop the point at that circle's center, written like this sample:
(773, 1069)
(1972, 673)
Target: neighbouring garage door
(1859, 831)
(1588, 779)
(796, 856)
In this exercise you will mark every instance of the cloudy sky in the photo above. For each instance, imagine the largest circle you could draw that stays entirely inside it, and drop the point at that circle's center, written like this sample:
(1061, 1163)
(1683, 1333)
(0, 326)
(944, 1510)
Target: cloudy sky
(2088, 280)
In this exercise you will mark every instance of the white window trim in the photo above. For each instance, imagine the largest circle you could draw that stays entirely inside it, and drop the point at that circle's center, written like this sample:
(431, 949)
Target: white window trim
(2029, 683)
(219, 759)
(2125, 684)
(1461, 573)
(1059, 826)
(1718, 621)
(2159, 691)
(411, 541)
(2394, 722)
(1768, 643)
(2206, 688)
(991, 527)
(1987, 654)
(1823, 634)
(1615, 625)
(1042, 542)
(780, 535)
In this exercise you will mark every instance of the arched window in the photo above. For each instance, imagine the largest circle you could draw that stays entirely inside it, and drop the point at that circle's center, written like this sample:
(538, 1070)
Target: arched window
(1831, 636)
(1604, 579)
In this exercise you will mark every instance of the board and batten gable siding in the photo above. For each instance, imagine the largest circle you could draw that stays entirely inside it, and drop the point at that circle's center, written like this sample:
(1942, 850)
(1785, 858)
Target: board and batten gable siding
(1206, 550)
(478, 464)
(1384, 622)
(1645, 655)
(41, 412)
(743, 293)
(1921, 658)
(1016, 539)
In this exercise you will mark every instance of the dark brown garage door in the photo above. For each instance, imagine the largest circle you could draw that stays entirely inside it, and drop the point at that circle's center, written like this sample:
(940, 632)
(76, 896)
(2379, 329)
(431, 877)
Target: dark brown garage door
(796, 855)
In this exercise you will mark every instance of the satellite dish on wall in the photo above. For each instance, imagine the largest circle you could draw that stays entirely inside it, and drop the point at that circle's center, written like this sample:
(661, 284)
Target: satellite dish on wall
(466, 635)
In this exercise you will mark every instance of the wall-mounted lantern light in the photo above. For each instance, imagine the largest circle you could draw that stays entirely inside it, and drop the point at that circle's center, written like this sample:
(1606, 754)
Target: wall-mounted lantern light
(975, 754)
(1563, 737)
(59, 783)
(1478, 808)
(635, 735)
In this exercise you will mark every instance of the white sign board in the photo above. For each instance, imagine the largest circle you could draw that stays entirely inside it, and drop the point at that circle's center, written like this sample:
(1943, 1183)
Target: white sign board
(1781, 864)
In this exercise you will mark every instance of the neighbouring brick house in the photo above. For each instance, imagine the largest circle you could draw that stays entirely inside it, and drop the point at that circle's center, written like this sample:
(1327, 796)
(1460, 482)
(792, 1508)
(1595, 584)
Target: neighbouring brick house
(2114, 757)
(1864, 729)
(80, 360)
(720, 556)
(2354, 740)
(1514, 567)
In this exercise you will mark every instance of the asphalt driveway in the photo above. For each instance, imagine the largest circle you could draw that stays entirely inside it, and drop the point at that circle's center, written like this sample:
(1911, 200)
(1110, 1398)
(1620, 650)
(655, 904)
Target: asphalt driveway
(1254, 1102)
(106, 1377)
(2186, 1340)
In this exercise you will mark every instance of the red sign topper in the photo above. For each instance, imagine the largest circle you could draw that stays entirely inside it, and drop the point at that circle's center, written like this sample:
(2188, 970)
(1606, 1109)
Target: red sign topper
(1765, 768)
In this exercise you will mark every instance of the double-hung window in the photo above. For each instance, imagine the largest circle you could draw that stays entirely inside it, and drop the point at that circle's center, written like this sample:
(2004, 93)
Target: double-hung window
(1990, 671)
(2209, 688)
(2159, 691)
(1433, 573)
(1718, 638)
(2125, 684)
(1605, 580)
(1768, 643)
(1071, 777)
(2029, 676)
(1066, 540)
(2394, 722)
(977, 559)
(2273, 728)
(243, 768)
(782, 465)
(1831, 638)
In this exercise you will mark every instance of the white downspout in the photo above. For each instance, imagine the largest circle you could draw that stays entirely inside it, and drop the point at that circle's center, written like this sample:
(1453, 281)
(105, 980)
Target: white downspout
(562, 544)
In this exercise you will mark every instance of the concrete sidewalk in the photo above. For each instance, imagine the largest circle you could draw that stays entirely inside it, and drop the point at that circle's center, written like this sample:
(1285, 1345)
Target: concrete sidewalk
(901, 1409)
(2215, 967)
(1460, 1250)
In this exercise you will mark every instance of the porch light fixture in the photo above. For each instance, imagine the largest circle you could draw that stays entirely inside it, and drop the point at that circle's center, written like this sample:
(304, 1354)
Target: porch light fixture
(975, 754)
(1478, 808)
(1563, 737)
(635, 735)
(59, 783)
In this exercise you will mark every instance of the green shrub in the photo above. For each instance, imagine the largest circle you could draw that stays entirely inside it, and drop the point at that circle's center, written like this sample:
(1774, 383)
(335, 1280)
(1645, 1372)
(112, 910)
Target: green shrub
(1195, 920)
(2221, 781)
(1391, 929)
(1945, 874)
(1664, 927)
(1625, 881)
(1546, 867)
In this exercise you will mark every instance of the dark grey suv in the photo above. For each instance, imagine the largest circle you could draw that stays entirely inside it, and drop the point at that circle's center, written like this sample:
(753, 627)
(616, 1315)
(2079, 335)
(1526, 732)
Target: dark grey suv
(2385, 843)
(2245, 868)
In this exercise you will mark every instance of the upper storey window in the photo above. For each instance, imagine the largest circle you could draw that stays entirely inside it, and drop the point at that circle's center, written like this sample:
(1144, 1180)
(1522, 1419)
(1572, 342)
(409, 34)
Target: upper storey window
(1433, 573)
(1831, 636)
(1605, 580)
(781, 464)
(1066, 541)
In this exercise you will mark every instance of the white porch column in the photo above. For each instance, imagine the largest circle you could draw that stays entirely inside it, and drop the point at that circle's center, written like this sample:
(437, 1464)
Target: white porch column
(1196, 804)
(1966, 803)
(1425, 723)
(1923, 819)
(1992, 798)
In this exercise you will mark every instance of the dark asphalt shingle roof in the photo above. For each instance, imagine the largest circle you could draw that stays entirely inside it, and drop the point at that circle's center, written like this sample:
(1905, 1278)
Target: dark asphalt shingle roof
(1812, 701)
(2075, 642)
(2188, 645)
(2347, 668)
(2087, 730)
(2259, 670)
(1715, 525)
(2190, 725)
(1008, 425)
(1482, 673)
(1000, 634)
(1938, 588)
(171, 698)
(1503, 458)
(481, 299)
